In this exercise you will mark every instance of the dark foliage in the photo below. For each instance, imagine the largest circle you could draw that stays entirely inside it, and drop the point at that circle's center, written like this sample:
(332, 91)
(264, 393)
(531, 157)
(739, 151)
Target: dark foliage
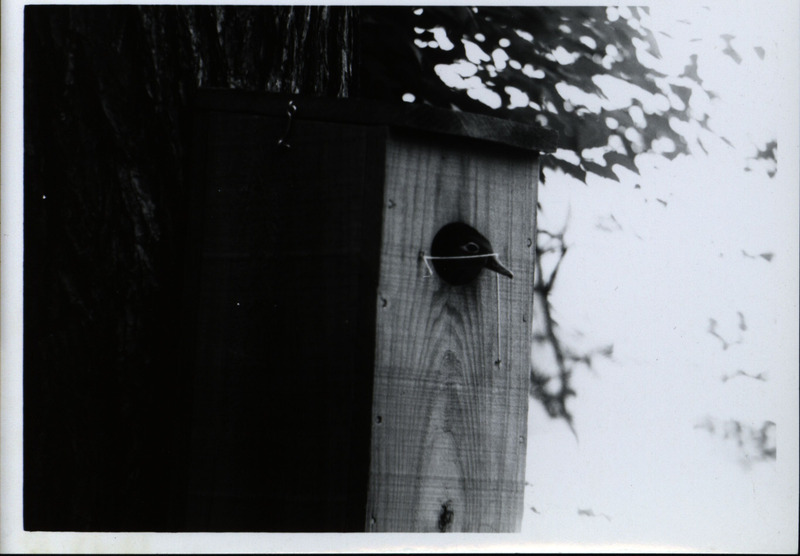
(537, 51)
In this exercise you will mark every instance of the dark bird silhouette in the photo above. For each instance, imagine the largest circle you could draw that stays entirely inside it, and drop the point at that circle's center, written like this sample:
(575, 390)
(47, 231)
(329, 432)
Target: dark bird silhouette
(459, 252)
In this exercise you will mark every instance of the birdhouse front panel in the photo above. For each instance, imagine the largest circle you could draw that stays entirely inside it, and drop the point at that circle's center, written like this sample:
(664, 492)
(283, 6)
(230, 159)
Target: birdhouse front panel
(452, 361)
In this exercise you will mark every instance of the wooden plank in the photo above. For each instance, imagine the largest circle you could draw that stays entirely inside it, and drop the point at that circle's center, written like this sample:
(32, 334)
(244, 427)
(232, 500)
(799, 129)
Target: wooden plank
(449, 424)
(522, 135)
(283, 327)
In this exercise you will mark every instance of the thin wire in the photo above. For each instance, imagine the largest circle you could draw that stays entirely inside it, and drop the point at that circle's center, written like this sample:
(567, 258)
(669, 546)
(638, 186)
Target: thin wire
(427, 258)
(497, 305)
(291, 108)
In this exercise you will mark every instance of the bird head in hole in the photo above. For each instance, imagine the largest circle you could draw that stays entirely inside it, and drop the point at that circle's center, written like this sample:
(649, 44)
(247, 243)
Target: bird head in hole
(459, 252)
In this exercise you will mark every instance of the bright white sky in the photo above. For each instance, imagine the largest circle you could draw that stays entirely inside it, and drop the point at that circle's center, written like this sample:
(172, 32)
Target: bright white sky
(649, 280)
(650, 286)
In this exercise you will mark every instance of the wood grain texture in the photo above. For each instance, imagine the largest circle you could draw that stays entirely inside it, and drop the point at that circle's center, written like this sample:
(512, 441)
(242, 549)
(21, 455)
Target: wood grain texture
(449, 423)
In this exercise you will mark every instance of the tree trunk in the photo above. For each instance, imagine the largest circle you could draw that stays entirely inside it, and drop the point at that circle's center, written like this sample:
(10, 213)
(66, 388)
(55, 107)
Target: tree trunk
(108, 92)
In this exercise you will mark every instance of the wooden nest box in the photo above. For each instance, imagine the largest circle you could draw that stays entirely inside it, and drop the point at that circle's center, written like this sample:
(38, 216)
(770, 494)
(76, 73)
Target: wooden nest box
(340, 384)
